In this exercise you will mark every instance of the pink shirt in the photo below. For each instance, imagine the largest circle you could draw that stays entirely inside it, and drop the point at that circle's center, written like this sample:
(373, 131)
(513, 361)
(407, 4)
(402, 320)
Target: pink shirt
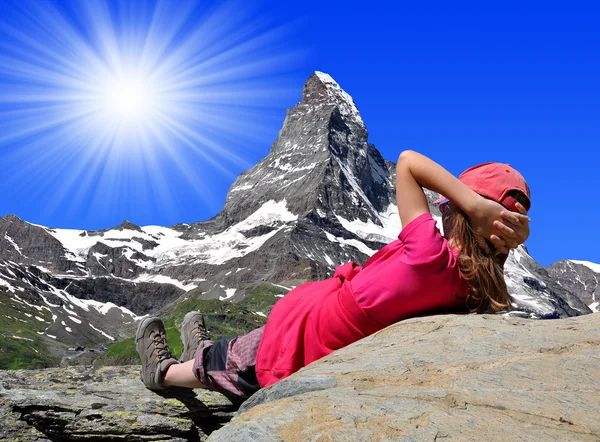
(415, 275)
(412, 276)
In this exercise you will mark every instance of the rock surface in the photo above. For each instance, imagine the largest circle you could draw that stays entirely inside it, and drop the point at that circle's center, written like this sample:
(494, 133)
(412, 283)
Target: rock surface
(452, 377)
(110, 403)
(492, 378)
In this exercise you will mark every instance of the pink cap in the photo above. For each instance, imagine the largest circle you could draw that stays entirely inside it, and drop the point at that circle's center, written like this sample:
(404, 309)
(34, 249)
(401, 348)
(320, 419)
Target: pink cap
(495, 181)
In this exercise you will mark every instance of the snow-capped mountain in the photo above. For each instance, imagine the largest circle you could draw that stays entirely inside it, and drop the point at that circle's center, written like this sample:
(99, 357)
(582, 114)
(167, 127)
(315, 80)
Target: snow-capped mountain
(321, 197)
(581, 277)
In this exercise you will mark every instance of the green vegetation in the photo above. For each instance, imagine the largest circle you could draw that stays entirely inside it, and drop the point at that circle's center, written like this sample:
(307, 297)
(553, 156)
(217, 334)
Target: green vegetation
(223, 319)
(120, 353)
(20, 345)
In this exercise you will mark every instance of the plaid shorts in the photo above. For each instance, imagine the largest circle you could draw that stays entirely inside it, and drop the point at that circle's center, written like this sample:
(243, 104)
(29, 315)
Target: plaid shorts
(228, 365)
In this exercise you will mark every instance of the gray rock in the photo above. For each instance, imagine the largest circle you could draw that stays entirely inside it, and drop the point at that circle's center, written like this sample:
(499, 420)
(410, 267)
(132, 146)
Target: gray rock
(471, 377)
(578, 279)
(110, 403)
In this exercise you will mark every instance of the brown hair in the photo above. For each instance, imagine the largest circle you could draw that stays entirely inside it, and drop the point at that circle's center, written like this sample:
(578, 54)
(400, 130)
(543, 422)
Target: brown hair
(483, 271)
(479, 268)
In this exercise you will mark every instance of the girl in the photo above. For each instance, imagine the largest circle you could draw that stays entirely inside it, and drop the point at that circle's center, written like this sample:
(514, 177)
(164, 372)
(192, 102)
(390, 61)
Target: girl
(423, 272)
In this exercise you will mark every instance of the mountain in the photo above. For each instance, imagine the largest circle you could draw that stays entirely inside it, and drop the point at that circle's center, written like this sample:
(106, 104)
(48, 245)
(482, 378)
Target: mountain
(580, 277)
(321, 197)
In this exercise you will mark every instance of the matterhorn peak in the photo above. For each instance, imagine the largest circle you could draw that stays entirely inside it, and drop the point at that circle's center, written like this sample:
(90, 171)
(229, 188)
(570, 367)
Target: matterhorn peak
(321, 89)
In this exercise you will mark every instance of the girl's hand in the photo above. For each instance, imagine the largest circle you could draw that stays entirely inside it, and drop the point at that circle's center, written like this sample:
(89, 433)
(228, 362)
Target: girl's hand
(503, 228)
(514, 229)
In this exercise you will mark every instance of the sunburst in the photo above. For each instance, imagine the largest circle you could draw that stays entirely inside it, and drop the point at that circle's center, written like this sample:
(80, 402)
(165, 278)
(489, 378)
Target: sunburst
(103, 103)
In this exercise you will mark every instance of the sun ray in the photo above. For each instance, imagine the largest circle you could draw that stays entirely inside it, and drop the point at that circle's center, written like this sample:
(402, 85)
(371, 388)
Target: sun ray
(110, 103)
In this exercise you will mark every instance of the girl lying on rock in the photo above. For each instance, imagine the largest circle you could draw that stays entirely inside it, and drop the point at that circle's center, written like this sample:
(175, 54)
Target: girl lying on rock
(421, 273)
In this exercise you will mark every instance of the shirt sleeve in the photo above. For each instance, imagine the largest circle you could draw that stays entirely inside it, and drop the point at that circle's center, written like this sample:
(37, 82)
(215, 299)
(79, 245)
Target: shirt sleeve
(418, 274)
(423, 242)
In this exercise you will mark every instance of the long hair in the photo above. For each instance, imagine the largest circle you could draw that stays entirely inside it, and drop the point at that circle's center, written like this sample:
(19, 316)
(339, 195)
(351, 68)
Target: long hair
(481, 269)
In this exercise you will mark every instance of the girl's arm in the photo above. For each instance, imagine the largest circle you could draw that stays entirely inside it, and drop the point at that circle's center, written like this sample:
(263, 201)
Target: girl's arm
(415, 171)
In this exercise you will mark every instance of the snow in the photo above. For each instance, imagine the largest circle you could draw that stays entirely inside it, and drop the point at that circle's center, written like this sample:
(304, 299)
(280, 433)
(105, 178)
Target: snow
(346, 104)
(69, 311)
(101, 332)
(40, 319)
(48, 303)
(351, 242)
(24, 339)
(238, 189)
(386, 232)
(595, 307)
(282, 286)
(261, 314)
(128, 253)
(98, 255)
(43, 269)
(228, 294)
(231, 243)
(328, 260)
(590, 265)
(14, 244)
(16, 298)
(76, 320)
(85, 304)
(7, 285)
(518, 254)
(288, 167)
(515, 271)
(172, 249)
(79, 245)
(162, 279)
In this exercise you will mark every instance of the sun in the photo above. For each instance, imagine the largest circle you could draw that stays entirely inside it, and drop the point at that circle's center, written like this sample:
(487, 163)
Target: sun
(127, 98)
(115, 105)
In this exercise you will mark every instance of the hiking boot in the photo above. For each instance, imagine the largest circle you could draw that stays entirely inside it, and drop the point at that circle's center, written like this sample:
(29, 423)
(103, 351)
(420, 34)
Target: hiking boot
(194, 334)
(151, 344)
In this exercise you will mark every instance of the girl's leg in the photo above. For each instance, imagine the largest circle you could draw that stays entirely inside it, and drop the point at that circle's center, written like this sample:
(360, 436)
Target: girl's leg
(182, 375)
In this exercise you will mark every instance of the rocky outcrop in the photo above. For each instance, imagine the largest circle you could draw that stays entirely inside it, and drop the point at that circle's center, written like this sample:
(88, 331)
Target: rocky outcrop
(581, 278)
(536, 294)
(454, 378)
(451, 377)
(108, 404)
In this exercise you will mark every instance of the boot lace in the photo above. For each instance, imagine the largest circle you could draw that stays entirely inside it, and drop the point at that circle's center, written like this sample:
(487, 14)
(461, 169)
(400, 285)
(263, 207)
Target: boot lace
(202, 332)
(161, 349)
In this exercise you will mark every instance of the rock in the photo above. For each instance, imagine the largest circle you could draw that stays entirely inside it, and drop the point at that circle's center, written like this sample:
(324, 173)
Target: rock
(471, 377)
(110, 403)
(580, 278)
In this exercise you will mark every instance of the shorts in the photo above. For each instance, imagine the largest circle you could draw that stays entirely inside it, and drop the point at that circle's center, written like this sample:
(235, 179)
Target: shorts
(228, 365)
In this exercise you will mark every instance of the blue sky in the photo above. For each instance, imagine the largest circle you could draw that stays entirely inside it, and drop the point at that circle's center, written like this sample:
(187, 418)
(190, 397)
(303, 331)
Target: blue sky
(516, 82)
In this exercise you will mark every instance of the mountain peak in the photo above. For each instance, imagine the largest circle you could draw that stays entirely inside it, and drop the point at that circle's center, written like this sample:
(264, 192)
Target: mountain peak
(12, 218)
(127, 225)
(321, 88)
